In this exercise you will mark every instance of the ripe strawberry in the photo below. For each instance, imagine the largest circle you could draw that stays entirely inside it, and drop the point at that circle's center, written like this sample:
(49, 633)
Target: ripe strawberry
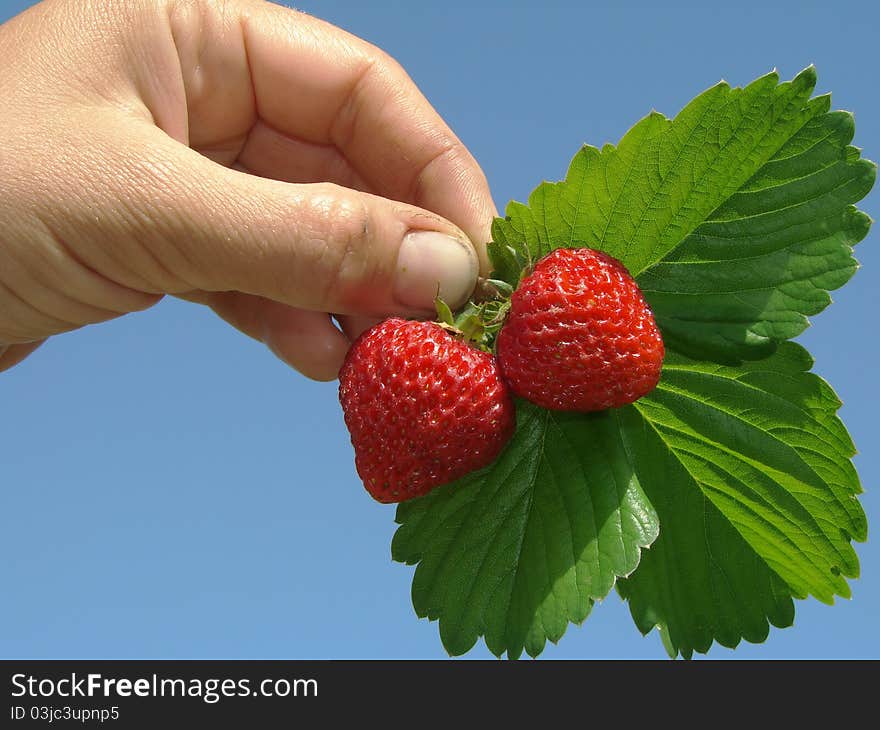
(579, 335)
(422, 408)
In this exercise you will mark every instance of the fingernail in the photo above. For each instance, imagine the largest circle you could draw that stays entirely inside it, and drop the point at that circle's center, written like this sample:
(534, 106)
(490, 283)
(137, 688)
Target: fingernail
(428, 261)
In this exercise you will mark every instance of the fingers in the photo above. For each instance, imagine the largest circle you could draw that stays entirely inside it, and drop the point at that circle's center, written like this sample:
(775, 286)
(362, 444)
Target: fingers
(307, 341)
(13, 354)
(315, 84)
(169, 220)
(354, 326)
(116, 210)
(270, 153)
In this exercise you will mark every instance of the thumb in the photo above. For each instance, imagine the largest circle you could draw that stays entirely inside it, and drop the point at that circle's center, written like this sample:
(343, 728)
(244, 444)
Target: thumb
(189, 223)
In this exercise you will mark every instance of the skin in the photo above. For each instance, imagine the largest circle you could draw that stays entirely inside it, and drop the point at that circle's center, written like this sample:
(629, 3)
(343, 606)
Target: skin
(234, 153)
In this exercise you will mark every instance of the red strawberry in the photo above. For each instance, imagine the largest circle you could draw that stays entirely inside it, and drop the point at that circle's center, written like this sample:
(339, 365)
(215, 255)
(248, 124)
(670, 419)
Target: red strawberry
(422, 408)
(579, 335)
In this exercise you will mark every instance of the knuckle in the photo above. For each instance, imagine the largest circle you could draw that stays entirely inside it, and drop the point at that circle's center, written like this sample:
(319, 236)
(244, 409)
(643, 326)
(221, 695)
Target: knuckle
(384, 64)
(343, 245)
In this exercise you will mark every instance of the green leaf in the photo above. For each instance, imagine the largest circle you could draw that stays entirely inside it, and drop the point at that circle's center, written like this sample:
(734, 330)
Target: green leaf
(444, 313)
(508, 262)
(766, 258)
(749, 470)
(736, 217)
(472, 327)
(503, 288)
(518, 550)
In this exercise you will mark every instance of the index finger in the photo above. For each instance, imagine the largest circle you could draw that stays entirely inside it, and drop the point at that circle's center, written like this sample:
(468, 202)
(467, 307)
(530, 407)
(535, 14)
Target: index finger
(316, 83)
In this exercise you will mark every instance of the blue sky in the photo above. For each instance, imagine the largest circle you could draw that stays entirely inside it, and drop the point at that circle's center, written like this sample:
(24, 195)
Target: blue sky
(169, 489)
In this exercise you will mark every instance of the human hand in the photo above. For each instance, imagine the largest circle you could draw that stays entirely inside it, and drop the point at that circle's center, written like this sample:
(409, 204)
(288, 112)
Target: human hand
(238, 154)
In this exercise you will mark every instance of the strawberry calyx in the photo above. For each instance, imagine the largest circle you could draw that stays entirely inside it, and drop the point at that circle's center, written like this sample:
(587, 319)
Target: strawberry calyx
(480, 320)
